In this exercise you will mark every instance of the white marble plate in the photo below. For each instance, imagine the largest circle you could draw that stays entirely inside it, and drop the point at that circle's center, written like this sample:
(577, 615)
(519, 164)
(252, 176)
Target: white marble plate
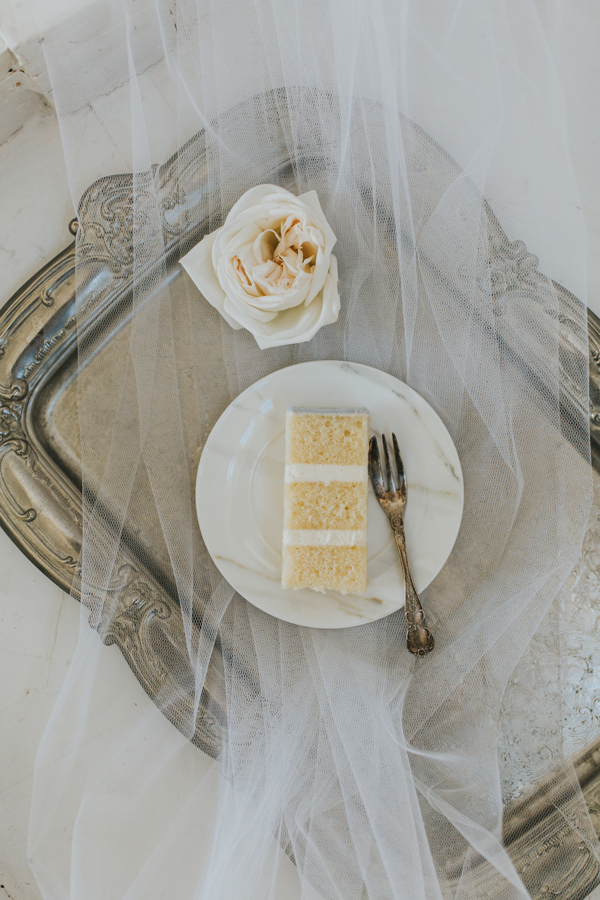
(239, 491)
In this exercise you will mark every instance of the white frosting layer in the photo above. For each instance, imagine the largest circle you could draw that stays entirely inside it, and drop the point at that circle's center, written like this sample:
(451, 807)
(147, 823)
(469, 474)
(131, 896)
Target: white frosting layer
(309, 537)
(317, 411)
(326, 474)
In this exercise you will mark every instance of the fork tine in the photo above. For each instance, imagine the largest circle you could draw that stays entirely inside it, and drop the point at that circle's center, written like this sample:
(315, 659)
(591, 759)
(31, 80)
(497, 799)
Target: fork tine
(399, 465)
(375, 468)
(388, 467)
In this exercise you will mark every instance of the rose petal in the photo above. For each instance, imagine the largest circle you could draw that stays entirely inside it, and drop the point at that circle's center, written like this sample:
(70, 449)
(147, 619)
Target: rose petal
(265, 244)
(267, 272)
(269, 215)
(239, 296)
(232, 240)
(231, 284)
(324, 310)
(269, 194)
(319, 274)
(331, 296)
(198, 264)
(311, 199)
(274, 298)
(248, 317)
(290, 327)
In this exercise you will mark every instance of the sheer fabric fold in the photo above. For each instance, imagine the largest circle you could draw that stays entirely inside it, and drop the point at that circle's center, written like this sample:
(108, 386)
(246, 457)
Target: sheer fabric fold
(376, 773)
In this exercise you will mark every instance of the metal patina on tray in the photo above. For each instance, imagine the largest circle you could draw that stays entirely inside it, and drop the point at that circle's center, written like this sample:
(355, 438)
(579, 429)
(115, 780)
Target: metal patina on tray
(41, 468)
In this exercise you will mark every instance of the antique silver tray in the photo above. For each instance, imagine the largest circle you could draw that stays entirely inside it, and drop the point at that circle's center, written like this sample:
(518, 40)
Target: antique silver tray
(40, 461)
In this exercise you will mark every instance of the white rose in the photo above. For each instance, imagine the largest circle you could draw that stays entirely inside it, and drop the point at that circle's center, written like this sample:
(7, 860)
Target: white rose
(269, 268)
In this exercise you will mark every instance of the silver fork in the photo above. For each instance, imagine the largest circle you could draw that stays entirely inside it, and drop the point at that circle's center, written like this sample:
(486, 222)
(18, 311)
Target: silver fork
(419, 639)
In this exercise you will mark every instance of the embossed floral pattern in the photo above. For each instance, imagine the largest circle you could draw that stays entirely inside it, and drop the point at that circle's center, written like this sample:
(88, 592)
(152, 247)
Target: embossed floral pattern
(531, 744)
(10, 424)
(512, 266)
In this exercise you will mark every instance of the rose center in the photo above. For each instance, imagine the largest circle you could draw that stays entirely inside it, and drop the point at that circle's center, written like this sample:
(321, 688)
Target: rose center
(277, 258)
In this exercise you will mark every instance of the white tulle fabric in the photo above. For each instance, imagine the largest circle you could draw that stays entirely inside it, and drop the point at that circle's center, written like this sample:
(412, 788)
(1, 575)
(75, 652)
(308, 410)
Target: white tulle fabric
(378, 773)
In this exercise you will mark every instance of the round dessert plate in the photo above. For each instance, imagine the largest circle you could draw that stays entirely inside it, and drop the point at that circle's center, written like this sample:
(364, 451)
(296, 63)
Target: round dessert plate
(239, 491)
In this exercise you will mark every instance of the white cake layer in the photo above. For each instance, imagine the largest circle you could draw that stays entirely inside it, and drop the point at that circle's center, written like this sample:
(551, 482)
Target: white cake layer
(312, 537)
(301, 472)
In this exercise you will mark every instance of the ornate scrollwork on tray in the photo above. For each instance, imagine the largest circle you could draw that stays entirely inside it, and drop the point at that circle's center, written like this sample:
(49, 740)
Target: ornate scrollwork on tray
(15, 391)
(513, 267)
(147, 626)
(10, 423)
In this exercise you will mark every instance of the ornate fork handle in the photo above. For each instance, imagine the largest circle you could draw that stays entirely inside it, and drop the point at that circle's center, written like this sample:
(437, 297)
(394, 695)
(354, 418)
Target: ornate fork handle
(419, 639)
(392, 500)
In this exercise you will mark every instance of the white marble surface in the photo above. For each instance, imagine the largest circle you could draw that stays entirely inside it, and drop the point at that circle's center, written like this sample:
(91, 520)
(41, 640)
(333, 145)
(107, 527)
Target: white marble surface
(38, 631)
(239, 491)
(38, 623)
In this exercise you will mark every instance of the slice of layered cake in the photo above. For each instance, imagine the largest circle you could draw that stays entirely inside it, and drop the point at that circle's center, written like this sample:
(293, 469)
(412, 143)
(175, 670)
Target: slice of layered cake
(325, 500)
